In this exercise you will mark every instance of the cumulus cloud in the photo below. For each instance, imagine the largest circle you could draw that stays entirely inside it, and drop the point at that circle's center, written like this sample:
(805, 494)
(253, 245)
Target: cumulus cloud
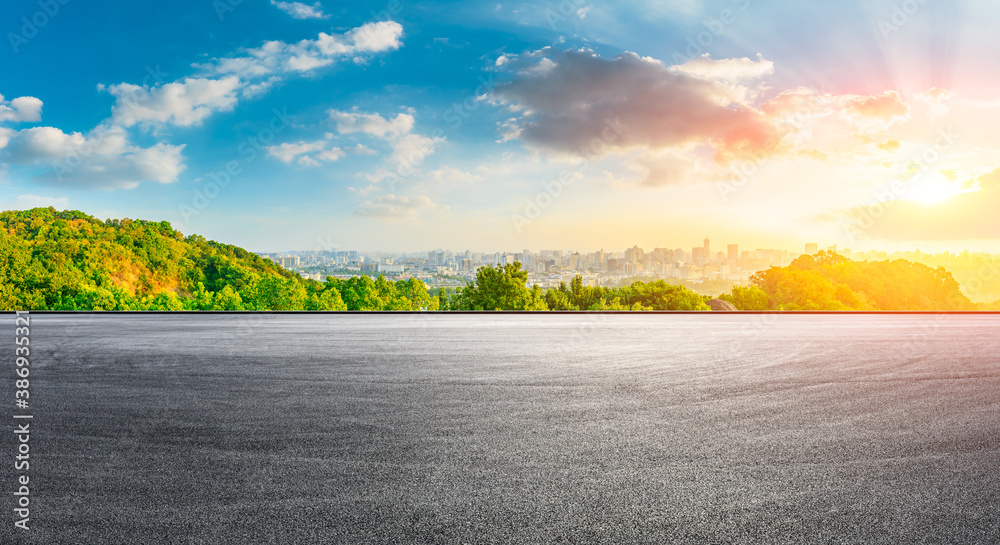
(728, 70)
(937, 99)
(102, 159)
(373, 124)
(298, 10)
(182, 103)
(305, 153)
(106, 159)
(663, 167)
(584, 104)
(222, 82)
(20, 109)
(408, 148)
(451, 175)
(874, 113)
(276, 57)
(689, 122)
(395, 207)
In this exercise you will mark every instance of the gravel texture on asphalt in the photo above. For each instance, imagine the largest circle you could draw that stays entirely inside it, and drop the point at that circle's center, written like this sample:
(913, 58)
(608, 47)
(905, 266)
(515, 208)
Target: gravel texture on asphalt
(548, 428)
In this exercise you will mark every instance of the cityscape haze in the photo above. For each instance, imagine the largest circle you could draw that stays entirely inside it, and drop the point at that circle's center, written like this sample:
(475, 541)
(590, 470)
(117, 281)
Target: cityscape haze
(696, 267)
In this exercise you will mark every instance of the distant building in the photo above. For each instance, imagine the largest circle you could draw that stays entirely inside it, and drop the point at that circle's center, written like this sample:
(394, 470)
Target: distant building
(734, 252)
(290, 262)
(812, 248)
(699, 256)
(391, 268)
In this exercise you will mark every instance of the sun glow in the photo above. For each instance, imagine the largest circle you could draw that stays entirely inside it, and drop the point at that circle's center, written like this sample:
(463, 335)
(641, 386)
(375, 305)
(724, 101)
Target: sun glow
(932, 189)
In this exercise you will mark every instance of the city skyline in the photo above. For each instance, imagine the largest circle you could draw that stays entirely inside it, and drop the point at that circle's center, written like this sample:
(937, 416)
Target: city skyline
(403, 125)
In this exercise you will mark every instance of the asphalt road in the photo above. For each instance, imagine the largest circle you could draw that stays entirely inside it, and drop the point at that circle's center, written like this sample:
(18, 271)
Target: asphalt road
(706, 428)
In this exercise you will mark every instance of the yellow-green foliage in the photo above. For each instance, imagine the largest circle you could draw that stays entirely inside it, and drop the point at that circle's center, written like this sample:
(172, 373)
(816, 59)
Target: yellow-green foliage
(828, 281)
(52, 260)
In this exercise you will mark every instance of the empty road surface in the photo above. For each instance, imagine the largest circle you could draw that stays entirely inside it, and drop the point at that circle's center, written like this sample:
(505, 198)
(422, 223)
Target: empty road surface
(547, 428)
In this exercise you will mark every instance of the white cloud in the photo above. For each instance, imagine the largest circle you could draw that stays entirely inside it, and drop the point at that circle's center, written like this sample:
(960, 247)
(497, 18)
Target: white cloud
(20, 109)
(223, 82)
(874, 113)
(373, 124)
(450, 175)
(304, 153)
(287, 152)
(183, 103)
(410, 150)
(298, 10)
(667, 167)
(276, 57)
(27, 202)
(102, 159)
(5, 136)
(331, 154)
(396, 207)
(726, 70)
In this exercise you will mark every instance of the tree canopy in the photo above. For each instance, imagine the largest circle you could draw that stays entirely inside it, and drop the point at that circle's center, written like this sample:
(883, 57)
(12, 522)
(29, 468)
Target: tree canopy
(67, 260)
(52, 260)
(829, 281)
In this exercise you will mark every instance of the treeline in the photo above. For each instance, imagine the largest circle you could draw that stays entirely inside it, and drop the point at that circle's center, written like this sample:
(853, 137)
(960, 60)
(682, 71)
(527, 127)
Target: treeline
(67, 260)
(505, 288)
(829, 281)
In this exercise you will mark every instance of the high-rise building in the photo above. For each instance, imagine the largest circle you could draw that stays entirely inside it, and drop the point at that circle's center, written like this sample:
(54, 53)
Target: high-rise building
(633, 254)
(734, 252)
(699, 256)
(708, 250)
(812, 248)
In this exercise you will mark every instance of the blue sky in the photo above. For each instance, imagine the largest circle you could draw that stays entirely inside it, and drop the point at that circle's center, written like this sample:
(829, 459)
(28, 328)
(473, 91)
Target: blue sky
(415, 125)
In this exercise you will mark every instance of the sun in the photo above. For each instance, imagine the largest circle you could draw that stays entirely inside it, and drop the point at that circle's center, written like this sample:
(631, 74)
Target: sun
(932, 189)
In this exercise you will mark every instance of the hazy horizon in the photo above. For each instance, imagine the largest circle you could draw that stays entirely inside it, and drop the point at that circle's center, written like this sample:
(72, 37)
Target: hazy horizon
(403, 126)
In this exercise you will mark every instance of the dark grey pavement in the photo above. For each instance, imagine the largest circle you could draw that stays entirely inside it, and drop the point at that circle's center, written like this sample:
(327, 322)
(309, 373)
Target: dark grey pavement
(691, 428)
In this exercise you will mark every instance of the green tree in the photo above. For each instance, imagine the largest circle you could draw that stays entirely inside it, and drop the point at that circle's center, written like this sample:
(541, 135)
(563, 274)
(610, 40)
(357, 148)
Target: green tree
(560, 299)
(360, 293)
(500, 287)
(747, 298)
(228, 299)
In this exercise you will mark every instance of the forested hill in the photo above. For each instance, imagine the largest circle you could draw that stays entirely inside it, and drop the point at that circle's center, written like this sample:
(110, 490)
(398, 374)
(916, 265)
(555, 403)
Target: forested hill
(68, 260)
(829, 281)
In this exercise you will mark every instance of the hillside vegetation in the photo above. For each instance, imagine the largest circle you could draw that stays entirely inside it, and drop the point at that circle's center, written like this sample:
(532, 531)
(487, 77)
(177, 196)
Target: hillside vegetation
(829, 281)
(68, 260)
